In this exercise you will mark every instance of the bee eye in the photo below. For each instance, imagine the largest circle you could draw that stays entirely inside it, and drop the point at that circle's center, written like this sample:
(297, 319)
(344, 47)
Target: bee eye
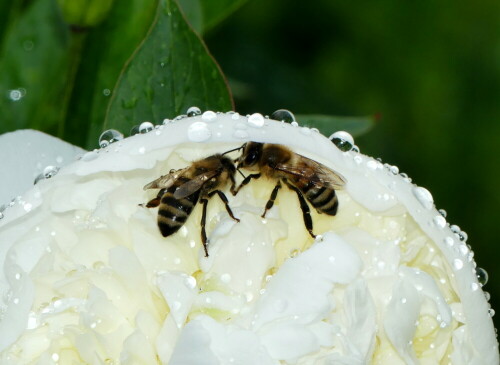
(251, 158)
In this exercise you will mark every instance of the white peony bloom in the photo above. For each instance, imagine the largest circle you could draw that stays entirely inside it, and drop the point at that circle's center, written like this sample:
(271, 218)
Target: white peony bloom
(88, 278)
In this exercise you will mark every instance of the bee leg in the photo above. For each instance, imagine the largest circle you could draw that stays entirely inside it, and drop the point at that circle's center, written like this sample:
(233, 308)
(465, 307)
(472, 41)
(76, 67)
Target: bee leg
(203, 221)
(223, 197)
(153, 203)
(245, 181)
(306, 212)
(272, 198)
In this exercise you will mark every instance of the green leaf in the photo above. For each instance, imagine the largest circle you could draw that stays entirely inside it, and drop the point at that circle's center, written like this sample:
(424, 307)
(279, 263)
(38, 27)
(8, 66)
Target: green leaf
(204, 15)
(33, 56)
(171, 71)
(107, 49)
(328, 124)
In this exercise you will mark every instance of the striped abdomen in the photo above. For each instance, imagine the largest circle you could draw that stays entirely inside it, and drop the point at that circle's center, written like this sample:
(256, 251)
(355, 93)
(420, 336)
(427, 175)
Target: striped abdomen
(322, 198)
(173, 212)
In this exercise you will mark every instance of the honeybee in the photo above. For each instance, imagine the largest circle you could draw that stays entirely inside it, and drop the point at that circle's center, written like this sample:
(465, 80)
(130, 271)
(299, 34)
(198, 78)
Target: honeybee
(309, 179)
(182, 189)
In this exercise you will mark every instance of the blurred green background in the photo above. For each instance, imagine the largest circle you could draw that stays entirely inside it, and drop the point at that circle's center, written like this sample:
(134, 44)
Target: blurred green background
(430, 70)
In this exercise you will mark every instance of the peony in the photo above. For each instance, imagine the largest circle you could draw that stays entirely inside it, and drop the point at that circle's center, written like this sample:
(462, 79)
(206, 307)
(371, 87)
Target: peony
(87, 277)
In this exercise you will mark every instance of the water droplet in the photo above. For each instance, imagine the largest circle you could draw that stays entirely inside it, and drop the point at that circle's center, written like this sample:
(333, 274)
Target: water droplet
(235, 116)
(27, 207)
(462, 236)
(193, 111)
(394, 170)
(89, 156)
(16, 94)
(403, 300)
(47, 173)
(146, 127)
(305, 131)
(199, 132)
(283, 115)
(190, 282)
(355, 149)
(106, 92)
(109, 136)
(424, 197)
(241, 134)
(179, 117)
(491, 312)
(28, 45)
(440, 221)
(458, 264)
(487, 296)
(209, 116)
(474, 286)
(225, 278)
(166, 121)
(342, 140)
(482, 276)
(294, 124)
(256, 120)
(442, 212)
(134, 130)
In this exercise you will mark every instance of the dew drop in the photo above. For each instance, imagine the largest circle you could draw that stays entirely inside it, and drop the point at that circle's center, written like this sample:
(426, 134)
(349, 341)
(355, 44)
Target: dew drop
(305, 131)
(193, 111)
(89, 156)
(106, 92)
(283, 115)
(487, 296)
(443, 212)
(134, 130)
(241, 134)
(256, 120)
(225, 278)
(458, 264)
(190, 282)
(235, 116)
(209, 116)
(166, 121)
(294, 124)
(15, 95)
(28, 45)
(424, 197)
(109, 136)
(145, 127)
(440, 221)
(491, 312)
(482, 276)
(474, 286)
(199, 132)
(343, 140)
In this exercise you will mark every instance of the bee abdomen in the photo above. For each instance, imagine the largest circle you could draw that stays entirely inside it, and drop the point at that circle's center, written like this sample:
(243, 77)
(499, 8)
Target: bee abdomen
(323, 199)
(173, 212)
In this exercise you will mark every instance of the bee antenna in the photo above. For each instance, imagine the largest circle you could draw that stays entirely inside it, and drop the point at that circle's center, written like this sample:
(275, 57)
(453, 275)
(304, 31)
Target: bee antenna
(241, 173)
(234, 149)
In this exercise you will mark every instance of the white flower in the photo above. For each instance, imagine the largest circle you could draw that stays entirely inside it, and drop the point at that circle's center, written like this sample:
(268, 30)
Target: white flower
(88, 278)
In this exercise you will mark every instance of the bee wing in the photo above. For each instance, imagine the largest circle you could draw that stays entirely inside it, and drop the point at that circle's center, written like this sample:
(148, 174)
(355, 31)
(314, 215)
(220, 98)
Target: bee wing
(317, 173)
(165, 181)
(194, 184)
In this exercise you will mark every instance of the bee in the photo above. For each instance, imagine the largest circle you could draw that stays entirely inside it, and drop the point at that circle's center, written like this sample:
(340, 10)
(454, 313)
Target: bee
(309, 179)
(182, 189)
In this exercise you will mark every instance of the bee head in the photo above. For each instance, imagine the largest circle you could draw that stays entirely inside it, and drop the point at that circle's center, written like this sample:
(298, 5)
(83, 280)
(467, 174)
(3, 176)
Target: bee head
(252, 152)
